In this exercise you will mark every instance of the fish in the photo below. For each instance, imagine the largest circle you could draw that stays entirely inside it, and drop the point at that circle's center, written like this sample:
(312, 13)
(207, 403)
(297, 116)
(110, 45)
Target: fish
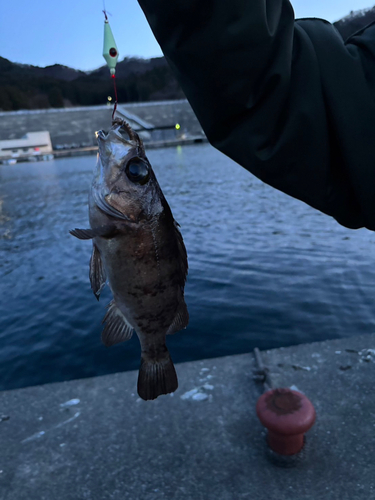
(139, 251)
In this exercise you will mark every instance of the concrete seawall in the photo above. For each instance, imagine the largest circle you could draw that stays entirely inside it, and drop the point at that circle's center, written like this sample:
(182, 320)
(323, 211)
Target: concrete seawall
(150, 145)
(95, 439)
(75, 127)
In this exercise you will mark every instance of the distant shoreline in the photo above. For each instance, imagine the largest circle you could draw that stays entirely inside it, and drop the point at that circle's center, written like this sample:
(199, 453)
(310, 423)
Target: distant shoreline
(66, 153)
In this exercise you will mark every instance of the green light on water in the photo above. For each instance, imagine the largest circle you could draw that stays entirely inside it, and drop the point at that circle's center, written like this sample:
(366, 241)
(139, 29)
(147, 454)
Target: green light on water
(177, 126)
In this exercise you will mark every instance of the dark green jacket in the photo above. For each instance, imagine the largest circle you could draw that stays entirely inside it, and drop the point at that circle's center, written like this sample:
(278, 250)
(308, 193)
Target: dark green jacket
(288, 100)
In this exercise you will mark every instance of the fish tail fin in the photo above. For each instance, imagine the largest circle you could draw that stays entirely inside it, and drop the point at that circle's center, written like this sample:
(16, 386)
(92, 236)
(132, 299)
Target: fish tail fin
(157, 376)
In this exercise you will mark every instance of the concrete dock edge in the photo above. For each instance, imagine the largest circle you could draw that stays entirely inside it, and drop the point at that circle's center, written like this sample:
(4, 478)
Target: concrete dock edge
(95, 439)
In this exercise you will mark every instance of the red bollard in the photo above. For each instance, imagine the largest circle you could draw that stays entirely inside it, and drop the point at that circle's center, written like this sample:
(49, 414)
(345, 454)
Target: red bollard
(287, 415)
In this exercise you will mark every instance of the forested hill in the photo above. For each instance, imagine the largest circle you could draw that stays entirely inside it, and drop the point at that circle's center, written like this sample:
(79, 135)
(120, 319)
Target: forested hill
(30, 87)
(355, 21)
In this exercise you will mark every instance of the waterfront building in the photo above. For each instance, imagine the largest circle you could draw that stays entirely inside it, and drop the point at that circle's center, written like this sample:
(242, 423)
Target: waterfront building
(31, 144)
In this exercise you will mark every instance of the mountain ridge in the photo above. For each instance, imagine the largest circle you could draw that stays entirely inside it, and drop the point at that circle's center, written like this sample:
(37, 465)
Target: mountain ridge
(24, 86)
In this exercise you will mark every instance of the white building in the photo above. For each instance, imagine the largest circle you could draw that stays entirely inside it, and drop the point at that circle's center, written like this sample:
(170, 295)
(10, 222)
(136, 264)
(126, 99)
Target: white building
(31, 144)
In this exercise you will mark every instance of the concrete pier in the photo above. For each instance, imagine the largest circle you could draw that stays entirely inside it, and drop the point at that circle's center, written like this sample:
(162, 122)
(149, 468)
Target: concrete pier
(95, 439)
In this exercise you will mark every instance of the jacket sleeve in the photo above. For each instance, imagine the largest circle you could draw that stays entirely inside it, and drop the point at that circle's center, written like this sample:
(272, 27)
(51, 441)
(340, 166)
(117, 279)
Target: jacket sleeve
(288, 100)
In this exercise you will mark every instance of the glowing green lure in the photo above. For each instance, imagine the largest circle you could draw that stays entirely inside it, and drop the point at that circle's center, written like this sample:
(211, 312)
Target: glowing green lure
(110, 51)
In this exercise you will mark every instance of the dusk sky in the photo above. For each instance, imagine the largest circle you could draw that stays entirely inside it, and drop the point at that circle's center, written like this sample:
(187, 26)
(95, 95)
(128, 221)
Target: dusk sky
(71, 32)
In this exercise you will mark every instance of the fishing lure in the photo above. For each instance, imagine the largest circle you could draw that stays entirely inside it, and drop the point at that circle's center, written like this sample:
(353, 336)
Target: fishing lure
(110, 54)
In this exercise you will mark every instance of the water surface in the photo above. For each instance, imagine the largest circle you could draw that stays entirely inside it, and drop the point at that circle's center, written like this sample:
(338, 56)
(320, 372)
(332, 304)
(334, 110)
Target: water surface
(264, 269)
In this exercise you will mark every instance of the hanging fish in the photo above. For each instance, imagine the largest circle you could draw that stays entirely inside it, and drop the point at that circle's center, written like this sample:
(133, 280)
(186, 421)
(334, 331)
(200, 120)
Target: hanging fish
(138, 247)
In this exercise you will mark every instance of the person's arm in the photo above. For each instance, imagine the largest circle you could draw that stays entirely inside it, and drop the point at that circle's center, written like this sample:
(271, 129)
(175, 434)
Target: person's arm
(286, 99)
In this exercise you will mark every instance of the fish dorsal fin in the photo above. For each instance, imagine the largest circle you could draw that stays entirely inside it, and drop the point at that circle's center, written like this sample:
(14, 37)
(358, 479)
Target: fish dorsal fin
(117, 328)
(182, 253)
(97, 272)
(181, 319)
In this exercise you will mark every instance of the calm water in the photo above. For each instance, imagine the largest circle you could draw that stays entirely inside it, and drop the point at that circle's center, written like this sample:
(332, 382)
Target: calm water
(264, 270)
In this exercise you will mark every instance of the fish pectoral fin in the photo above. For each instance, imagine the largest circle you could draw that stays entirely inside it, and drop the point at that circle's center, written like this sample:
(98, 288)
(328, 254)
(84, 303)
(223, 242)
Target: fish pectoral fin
(181, 319)
(157, 376)
(97, 272)
(87, 234)
(117, 328)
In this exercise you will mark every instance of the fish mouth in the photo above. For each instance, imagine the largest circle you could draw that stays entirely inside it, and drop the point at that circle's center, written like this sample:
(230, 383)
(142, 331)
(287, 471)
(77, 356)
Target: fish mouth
(116, 134)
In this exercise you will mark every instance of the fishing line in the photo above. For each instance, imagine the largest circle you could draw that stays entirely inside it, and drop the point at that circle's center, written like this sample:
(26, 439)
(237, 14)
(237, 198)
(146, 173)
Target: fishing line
(105, 11)
(115, 106)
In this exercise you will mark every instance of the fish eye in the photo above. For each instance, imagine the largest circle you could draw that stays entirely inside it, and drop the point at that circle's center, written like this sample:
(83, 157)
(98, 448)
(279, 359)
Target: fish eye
(138, 172)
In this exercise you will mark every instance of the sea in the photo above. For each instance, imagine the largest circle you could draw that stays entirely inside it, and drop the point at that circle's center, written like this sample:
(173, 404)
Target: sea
(265, 270)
